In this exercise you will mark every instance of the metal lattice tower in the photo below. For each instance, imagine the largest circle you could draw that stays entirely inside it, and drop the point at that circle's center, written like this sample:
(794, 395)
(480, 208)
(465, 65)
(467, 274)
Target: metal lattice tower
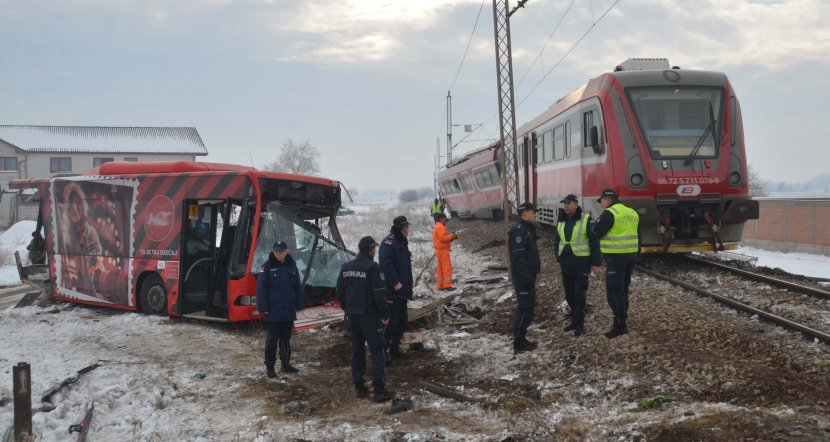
(507, 106)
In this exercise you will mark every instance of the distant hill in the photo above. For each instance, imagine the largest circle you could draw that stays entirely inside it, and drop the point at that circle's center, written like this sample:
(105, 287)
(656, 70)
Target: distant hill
(819, 185)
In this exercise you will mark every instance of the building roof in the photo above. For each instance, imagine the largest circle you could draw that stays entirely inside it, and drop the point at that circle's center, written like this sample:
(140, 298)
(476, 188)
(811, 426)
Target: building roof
(96, 139)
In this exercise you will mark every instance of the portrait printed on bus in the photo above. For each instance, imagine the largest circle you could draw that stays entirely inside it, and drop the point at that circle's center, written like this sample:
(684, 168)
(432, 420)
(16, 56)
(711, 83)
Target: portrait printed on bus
(92, 221)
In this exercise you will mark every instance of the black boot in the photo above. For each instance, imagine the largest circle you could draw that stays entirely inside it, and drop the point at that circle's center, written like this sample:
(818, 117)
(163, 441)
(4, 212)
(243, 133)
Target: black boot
(396, 353)
(269, 371)
(570, 327)
(361, 391)
(382, 395)
(618, 329)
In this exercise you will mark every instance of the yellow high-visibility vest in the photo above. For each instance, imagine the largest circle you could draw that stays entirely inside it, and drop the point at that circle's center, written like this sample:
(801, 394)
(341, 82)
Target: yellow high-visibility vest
(578, 242)
(436, 208)
(622, 237)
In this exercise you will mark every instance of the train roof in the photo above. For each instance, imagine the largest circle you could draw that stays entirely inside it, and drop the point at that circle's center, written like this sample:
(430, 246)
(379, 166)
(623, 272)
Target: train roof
(481, 152)
(626, 79)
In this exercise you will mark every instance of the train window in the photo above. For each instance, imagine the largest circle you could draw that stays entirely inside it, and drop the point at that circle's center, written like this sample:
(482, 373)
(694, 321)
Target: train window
(466, 183)
(547, 142)
(587, 124)
(568, 139)
(678, 122)
(558, 143)
(486, 177)
(537, 144)
(733, 111)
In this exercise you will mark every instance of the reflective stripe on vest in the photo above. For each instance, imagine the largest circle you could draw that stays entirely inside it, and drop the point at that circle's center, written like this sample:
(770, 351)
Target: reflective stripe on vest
(579, 247)
(436, 208)
(622, 237)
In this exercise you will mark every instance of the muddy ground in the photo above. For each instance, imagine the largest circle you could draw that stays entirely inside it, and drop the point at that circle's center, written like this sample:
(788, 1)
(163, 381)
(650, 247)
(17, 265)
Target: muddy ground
(724, 375)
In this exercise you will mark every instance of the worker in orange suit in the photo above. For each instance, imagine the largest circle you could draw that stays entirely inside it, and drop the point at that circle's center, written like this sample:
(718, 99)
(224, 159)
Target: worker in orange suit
(441, 240)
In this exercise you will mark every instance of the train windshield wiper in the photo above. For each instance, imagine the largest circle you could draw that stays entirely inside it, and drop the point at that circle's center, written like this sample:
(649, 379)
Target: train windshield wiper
(699, 144)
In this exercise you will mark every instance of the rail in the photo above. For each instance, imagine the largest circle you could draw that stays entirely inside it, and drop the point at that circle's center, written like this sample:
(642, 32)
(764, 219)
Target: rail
(769, 317)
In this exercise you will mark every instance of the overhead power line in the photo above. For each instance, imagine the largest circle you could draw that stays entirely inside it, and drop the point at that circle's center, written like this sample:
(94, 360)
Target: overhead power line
(588, 31)
(550, 37)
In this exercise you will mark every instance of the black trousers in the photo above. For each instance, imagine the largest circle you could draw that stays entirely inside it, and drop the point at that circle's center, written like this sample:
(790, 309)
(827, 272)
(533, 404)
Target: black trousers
(368, 330)
(278, 334)
(576, 289)
(618, 270)
(525, 308)
(397, 323)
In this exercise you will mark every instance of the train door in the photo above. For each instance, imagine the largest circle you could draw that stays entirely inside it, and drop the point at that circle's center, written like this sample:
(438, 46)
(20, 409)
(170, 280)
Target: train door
(529, 166)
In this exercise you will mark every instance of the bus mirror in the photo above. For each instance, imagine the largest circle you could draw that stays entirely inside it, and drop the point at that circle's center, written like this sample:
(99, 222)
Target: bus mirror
(595, 140)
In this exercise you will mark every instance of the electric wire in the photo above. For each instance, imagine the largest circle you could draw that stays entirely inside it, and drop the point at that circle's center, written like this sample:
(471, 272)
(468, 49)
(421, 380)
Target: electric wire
(558, 62)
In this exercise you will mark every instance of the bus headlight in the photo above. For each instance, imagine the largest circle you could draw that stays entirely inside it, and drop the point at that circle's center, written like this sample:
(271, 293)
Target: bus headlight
(246, 300)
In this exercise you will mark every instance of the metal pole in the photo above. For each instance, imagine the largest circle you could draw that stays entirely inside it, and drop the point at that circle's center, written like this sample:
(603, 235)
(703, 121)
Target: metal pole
(22, 384)
(449, 128)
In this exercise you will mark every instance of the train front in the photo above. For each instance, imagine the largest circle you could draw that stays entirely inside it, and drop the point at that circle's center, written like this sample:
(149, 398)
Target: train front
(690, 184)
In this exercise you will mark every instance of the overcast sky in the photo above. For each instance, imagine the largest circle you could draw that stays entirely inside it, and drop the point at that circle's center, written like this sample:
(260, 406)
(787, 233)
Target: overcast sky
(366, 81)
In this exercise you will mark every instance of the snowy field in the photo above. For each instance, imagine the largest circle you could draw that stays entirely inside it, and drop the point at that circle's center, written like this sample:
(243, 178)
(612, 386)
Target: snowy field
(164, 379)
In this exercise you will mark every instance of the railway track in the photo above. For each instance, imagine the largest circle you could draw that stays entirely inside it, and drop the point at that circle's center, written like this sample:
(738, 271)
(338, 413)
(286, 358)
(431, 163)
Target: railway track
(774, 300)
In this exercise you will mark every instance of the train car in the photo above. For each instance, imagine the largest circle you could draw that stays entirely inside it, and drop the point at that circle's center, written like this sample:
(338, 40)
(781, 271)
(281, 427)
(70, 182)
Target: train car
(669, 141)
(471, 185)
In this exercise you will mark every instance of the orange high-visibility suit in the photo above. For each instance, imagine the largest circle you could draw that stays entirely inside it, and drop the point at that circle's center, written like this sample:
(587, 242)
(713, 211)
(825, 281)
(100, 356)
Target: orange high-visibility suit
(441, 240)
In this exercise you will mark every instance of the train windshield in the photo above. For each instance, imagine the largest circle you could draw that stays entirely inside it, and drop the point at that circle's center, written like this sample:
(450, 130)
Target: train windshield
(678, 122)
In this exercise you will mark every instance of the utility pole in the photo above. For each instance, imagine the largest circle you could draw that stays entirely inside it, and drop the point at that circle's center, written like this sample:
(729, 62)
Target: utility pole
(449, 128)
(507, 108)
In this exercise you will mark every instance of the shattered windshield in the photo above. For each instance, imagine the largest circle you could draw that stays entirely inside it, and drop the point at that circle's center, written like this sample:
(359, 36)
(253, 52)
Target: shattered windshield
(678, 122)
(309, 243)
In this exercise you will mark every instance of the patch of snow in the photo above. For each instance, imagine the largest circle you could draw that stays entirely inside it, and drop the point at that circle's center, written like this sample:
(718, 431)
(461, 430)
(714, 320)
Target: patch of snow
(806, 264)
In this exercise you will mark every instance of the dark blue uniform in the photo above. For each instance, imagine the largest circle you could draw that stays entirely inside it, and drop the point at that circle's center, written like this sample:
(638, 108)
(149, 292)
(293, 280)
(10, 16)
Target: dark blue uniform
(279, 294)
(575, 269)
(396, 263)
(361, 292)
(524, 265)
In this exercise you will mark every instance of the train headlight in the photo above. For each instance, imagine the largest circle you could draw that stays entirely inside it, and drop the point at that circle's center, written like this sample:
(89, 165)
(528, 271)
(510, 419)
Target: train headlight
(636, 180)
(735, 178)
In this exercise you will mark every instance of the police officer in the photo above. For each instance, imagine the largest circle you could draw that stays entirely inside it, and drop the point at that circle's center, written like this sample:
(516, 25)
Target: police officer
(437, 208)
(396, 263)
(362, 294)
(279, 294)
(578, 255)
(619, 242)
(524, 265)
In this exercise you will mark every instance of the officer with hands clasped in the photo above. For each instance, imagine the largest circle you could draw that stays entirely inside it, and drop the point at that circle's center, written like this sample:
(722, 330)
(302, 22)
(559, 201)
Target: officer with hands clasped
(362, 293)
(279, 294)
(524, 265)
(578, 255)
(619, 241)
(396, 263)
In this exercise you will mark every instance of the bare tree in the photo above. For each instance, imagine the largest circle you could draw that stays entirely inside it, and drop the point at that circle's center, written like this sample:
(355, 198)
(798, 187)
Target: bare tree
(408, 196)
(296, 158)
(756, 183)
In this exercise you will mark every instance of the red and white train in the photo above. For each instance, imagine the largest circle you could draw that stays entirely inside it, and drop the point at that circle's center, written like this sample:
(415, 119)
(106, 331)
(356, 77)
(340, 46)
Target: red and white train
(670, 142)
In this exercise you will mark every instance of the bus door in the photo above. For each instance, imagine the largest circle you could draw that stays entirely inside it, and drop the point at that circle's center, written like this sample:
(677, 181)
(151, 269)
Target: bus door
(207, 236)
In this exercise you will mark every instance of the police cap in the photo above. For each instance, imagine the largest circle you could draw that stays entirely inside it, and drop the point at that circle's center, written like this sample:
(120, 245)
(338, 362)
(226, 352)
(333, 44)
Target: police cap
(526, 206)
(366, 243)
(400, 221)
(608, 193)
(570, 197)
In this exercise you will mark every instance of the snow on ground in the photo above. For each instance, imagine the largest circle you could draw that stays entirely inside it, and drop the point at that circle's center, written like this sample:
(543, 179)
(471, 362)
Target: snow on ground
(16, 238)
(817, 266)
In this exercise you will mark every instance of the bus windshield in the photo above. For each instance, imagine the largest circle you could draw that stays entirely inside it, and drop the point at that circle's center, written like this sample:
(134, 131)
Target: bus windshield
(311, 242)
(678, 122)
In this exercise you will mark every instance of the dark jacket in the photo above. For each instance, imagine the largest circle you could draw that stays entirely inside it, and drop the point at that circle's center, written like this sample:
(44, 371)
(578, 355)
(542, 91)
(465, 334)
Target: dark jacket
(360, 288)
(568, 261)
(396, 264)
(524, 254)
(278, 290)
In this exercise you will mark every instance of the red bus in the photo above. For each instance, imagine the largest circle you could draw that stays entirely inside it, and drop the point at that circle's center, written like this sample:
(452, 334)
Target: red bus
(184, 238)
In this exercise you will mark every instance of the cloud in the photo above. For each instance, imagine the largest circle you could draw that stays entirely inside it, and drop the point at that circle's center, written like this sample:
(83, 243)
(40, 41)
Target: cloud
(353, 31)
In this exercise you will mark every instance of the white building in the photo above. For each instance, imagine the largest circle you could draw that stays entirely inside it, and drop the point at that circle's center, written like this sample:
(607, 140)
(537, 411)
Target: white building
(45, 151)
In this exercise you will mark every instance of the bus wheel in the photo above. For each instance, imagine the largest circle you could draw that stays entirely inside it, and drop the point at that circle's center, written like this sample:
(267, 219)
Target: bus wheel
(153, 297)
